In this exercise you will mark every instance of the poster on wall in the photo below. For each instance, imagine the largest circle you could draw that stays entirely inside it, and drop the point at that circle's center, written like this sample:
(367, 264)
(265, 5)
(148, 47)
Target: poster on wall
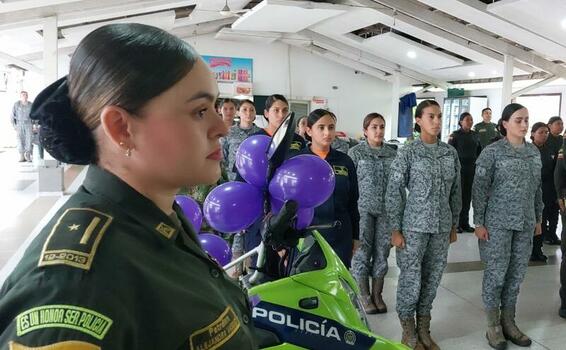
(233, 74)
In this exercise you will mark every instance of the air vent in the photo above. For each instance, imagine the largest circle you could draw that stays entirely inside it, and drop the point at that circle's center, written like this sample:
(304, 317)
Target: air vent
(380, 28)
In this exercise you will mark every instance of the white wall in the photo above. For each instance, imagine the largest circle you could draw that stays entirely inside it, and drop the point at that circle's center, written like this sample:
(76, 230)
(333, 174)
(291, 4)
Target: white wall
(279, 68)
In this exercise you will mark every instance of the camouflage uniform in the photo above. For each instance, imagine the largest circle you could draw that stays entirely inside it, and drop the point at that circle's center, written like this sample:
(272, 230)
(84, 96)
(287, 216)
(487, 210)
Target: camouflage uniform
(431, 174)
(340, 145)
(372, 166)
(230, 144)
(22, 122)
(507, 200)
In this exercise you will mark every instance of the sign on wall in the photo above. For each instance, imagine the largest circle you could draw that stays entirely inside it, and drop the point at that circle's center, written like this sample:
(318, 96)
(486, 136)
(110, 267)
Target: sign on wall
(233, 74)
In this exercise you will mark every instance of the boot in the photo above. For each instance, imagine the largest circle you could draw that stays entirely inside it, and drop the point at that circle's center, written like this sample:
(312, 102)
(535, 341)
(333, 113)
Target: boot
(27, 156)
(409, 337)
(423, 332)
(494, 333)
(22, 158)
(376, 290)
(510, 330)
(367, 302)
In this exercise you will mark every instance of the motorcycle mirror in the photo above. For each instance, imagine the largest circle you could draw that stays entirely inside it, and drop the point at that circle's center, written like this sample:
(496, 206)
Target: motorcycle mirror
(280, 144)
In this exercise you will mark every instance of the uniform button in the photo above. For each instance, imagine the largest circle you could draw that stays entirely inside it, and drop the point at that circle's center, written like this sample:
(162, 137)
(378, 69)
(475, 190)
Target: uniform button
(214, 273)
(246, 319)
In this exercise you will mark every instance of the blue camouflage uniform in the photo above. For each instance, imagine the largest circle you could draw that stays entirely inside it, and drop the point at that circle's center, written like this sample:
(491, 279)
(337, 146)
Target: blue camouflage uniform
(230, 143)
(507, 200)
(431, 174)
(372, 167)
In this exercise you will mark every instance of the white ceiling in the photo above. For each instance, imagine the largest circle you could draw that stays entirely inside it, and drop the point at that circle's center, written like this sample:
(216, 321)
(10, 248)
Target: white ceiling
(534, 24)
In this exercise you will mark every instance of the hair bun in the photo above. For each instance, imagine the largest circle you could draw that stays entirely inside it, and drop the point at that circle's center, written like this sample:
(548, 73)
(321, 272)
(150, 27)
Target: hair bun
(62, 133)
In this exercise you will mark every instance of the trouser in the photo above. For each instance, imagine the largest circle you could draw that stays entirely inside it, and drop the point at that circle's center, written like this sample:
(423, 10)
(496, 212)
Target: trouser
(506, 257)
(563, 265)
(375, 244)
(550, 219)
(422, 263)
(467, 179)
(24, 133)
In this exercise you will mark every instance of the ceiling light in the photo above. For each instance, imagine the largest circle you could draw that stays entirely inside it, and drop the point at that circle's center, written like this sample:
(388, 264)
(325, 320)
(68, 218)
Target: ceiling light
(412, 54)
(563, 24)
(494, 72)
(471, 74)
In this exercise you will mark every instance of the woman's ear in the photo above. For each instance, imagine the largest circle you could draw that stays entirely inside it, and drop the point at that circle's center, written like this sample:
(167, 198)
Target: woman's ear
(116, 123)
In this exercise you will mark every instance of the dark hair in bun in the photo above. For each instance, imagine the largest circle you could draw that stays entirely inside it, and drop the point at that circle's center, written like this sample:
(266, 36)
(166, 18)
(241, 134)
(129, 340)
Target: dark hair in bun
(124, 65)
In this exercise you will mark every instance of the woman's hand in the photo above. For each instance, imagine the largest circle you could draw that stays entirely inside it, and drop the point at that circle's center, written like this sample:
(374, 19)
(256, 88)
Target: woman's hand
(481, 233)
(538, 229)
(453, 235)
(397, 239)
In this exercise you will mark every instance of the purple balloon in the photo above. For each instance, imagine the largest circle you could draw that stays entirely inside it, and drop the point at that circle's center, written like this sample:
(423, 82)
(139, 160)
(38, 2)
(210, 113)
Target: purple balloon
(251, 160)
(305, 178)
(216, 247)
(191, 209)
(233, 206)
(304, 216)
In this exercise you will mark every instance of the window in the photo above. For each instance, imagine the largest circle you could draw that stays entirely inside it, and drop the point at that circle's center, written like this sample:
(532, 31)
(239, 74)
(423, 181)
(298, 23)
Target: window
(541, 107)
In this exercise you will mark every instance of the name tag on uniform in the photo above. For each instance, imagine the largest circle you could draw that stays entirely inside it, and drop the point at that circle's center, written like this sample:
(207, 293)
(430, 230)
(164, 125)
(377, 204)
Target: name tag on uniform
(217, 333)
(482, 130)
(340, 170)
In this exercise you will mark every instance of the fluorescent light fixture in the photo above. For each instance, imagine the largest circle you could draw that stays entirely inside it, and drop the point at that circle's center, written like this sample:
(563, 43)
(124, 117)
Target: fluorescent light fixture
(412, 54)
(563, 24)
(471, 74)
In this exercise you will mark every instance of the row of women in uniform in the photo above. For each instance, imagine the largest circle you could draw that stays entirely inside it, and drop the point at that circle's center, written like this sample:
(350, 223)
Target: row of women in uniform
(411, 199)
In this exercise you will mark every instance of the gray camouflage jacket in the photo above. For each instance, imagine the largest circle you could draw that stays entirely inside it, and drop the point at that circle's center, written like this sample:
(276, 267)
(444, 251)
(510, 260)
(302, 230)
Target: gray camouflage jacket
(230, 145)
(507, 189)
(433, 182)
(372, 167)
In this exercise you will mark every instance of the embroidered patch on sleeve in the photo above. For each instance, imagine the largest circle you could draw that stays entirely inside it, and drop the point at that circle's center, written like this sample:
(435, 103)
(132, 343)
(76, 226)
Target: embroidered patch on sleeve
(295, 146)
(217, 333)
(63, 316)
(340, 170)
(65, 345)
(74, 238)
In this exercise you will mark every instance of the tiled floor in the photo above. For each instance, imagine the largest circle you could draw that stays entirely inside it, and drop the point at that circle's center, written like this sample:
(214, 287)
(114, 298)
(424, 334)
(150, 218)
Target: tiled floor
(458, 320)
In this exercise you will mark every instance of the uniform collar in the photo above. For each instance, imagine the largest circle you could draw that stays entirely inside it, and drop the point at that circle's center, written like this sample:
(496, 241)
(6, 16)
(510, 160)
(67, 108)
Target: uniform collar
(384, 151)
(421, 148)
(525, 151)
(102, 182)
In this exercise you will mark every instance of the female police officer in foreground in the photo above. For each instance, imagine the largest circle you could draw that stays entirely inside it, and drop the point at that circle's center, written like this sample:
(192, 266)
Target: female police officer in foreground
(507, 201)
(119, 267)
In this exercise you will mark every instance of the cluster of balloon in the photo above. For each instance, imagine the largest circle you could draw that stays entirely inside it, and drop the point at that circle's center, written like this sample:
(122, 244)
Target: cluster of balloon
(234, 206)
(213, 244)
(306, 179)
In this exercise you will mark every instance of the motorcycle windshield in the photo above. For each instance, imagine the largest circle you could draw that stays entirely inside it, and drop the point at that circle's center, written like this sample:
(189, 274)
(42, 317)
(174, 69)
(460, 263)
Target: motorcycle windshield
(308, 256)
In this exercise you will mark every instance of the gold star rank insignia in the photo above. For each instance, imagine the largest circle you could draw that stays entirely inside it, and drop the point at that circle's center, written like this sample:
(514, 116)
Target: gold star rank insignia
(73, 227)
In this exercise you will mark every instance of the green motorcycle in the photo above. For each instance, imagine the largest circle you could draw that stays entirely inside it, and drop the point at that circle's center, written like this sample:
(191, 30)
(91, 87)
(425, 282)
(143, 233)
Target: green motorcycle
(312, 302)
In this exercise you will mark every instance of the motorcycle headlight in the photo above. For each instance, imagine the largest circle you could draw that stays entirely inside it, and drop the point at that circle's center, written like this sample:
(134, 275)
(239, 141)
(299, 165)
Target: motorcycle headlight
(355, 299)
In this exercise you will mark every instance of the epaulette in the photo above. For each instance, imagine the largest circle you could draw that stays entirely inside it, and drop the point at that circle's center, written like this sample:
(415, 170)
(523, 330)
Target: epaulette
(74, 238)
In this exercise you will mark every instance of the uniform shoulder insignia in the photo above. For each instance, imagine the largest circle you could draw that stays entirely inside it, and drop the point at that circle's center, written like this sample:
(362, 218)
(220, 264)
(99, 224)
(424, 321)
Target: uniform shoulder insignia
(65, 345)
(73, 240)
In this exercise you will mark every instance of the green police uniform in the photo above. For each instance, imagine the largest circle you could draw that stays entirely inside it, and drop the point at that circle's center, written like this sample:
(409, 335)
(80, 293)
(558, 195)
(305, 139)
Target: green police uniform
(113, 271)
(486, 132)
